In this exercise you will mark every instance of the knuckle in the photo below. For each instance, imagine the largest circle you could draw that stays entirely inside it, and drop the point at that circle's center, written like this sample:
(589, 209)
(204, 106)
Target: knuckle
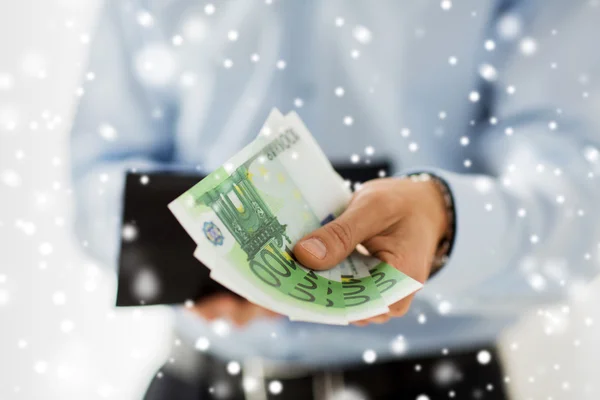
(342, 232)
(396, 259)
(379, 196)
(382, 319)
(399, 309)
(227, 304)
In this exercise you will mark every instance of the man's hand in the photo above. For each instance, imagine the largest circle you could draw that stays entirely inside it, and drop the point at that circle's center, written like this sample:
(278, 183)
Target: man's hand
(228, 306)
(399, 221)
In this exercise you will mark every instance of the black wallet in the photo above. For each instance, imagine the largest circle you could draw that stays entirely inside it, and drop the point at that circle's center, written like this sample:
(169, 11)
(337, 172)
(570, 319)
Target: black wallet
(156, 264)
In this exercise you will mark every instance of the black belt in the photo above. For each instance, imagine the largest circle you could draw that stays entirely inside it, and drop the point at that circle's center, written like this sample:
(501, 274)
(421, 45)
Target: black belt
(454, 375)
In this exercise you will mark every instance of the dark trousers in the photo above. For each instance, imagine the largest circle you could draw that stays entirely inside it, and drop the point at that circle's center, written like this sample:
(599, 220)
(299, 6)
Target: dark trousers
(456, 375)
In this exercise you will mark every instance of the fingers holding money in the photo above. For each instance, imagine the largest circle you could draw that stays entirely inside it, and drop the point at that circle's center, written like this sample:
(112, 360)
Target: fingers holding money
(395, 221)
(365, 217)
(242, 222)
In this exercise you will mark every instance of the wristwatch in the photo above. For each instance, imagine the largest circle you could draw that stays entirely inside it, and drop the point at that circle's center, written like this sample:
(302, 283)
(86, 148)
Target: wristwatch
(446, 243)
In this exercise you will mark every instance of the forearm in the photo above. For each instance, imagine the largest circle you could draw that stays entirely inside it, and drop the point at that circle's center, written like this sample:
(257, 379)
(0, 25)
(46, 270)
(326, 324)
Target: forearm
(524, 235)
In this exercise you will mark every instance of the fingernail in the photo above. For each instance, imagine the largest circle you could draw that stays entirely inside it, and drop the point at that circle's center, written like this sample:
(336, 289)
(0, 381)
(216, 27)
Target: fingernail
(315, 247)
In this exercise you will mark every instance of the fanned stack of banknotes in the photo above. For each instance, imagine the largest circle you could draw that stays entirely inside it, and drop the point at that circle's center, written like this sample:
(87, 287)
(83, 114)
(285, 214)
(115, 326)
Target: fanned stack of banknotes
(246, 217)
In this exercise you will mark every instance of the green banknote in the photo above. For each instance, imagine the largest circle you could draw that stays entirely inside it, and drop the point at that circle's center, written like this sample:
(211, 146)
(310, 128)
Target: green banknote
(247, 215)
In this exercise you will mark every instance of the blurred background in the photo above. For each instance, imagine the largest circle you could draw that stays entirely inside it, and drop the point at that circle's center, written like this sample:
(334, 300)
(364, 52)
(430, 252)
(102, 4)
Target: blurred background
(60, 336)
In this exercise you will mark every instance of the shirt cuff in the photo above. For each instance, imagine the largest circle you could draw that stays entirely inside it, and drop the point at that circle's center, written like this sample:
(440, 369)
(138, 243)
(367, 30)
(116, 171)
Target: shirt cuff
(481, 222)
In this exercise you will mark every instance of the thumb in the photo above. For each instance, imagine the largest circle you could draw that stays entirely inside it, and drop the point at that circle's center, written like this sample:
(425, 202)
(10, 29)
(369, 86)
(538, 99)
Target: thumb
(329, 245)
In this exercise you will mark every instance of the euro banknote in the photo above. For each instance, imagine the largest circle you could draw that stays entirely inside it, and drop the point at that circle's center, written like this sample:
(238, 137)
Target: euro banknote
(246, 217)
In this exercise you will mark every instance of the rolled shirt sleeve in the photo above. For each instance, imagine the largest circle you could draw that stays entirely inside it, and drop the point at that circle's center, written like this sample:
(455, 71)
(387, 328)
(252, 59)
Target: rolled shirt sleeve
(122, 123)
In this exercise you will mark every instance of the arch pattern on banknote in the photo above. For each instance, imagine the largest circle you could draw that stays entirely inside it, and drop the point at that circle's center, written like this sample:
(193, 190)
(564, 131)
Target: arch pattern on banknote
(252, 225)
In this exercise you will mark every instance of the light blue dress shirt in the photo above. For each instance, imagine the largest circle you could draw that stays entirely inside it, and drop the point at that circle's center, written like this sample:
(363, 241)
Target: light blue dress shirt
(500, 98)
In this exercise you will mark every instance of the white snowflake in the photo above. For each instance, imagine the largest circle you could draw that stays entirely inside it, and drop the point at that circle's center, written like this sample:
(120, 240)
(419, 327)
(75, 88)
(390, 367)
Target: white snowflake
(534, 239)
(536, 281)
(59, 298)
(528, 46)
(275, 387)
(202, 344)
(195, 28)
(146, 284)
(188, 79)
(233, 35)
(362, 34)
(369, 356)
(444, 307)
(129, 232)
(221, 327)
(145, 19)
(10, 178)
(591, 154)
(177, 40)
(483, 184)
(250, 384)
(46, 249)
(233, 367)
(509, 26)
(40, 367)
(209, 9)
(398, 345)
(488, 72)
(484, 357)
(155, 64)
(67, 326)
